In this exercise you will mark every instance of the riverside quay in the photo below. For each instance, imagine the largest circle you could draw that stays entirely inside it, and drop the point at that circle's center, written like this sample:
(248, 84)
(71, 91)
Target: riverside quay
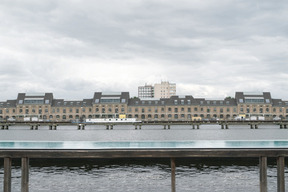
(44, 107)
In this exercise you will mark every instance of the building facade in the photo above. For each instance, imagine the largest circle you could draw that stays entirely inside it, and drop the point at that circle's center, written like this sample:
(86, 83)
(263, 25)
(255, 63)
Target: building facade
(164, 89)
(45, 107)
(146, 91)
(159, 90)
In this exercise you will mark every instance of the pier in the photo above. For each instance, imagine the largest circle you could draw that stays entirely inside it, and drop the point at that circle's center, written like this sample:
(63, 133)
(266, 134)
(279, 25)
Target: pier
(224, 124)
(159, 152)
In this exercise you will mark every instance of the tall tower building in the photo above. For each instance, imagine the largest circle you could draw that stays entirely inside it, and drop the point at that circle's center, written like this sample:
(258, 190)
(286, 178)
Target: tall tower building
(164, 89)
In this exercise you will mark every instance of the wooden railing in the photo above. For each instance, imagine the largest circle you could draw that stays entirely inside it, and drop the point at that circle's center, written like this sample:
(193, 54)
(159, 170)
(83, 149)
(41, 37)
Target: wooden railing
(173, 154)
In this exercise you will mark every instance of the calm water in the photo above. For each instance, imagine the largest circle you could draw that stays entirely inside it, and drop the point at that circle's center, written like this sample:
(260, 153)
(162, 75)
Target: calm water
(143, 174)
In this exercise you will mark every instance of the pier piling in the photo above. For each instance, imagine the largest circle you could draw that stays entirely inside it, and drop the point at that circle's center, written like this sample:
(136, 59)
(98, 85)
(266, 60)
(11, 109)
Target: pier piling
(280, 174)
(173, 178)
(25, 175)
(7, 174)
(226, 126)
(263, 174)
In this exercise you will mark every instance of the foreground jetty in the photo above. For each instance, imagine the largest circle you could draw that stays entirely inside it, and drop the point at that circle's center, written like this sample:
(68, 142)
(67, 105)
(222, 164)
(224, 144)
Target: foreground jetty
(169, 153)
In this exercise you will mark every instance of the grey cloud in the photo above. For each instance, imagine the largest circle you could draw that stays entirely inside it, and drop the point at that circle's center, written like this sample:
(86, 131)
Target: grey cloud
(214, 46)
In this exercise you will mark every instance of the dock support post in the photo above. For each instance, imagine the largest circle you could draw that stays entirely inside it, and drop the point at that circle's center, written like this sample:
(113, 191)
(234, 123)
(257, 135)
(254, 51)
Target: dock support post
(263, 174)
(251, 126)
(280, 174)
(198, 126)
(140, 126)
(7, 174)
(193, 126)
(111, 126)
(168, 126)
(256, 126)
(164, 126)
(173, 178)
(281, 126)
(136, 126)
(285, 126)
(25, 175)
(226, 126)
(83, 127)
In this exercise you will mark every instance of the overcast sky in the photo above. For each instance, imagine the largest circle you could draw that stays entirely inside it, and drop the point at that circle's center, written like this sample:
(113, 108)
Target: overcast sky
(209, 48)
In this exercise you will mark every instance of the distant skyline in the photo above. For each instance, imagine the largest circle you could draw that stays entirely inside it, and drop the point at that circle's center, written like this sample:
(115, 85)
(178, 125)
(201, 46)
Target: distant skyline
(209, 49)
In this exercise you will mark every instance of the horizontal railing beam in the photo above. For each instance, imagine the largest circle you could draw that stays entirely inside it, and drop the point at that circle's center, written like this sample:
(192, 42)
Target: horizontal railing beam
(143, 153)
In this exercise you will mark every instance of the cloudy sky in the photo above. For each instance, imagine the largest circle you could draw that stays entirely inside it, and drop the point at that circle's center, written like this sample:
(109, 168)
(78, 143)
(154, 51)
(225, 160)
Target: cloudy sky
(209, 48)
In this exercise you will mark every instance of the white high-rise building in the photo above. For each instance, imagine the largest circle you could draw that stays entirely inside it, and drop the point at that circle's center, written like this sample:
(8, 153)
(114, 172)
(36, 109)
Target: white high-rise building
(164, 89)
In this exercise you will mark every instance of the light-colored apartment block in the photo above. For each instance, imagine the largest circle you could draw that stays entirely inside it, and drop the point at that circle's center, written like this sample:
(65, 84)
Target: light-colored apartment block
(164, 89)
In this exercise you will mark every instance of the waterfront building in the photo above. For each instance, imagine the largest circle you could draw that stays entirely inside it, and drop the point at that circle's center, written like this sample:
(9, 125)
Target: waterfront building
(45, 107)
